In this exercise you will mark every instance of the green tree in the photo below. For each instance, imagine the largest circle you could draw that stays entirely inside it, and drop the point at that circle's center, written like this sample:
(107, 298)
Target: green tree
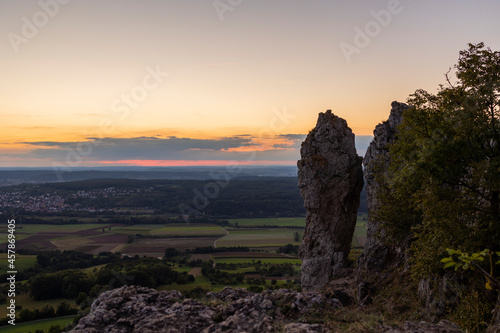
(55, 329)
(442, 187)
(171, 252)
(64, 309)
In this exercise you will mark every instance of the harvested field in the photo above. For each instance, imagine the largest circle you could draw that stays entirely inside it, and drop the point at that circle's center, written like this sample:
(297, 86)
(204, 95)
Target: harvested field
(90, 248)
(37, 242)
(84, 238)
(196, 272)
(156, 246)
(68, 243)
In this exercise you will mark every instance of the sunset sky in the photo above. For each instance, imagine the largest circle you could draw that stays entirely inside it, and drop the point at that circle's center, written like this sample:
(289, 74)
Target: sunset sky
(163, 82)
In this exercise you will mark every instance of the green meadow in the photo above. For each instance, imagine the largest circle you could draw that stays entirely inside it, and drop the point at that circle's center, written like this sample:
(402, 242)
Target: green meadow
(275, 221)
(260, 237)
(32, 326)
(22, 262)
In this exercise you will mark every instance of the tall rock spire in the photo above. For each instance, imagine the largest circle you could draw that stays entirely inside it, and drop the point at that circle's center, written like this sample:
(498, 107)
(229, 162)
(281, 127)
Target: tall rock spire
(330, 181)
(377, 253)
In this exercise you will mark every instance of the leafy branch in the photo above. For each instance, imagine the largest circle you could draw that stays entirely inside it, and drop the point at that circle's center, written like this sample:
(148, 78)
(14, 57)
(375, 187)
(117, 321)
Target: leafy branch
(461, 260)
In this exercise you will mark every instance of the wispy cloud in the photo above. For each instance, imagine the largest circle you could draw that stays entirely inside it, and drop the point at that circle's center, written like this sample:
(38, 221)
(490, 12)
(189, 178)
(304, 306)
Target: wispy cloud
(170, 143)
(140, 148)
(293, 141)
(293, 136)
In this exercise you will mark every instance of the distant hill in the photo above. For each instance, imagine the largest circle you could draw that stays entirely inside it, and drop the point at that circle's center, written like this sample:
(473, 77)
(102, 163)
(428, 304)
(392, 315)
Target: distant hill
(48, 175)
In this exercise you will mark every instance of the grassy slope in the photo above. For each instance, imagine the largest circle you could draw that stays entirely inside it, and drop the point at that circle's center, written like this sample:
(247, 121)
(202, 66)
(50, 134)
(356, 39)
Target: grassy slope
(32, 326)
(28, 303)
(22, 262)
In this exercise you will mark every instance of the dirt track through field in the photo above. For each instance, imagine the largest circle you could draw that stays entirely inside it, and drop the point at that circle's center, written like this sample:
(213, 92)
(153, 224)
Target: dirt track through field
(215, 242)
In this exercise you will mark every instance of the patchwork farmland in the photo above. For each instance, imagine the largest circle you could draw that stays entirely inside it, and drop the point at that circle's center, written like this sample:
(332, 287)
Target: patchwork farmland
(259, 266)
(266, 234)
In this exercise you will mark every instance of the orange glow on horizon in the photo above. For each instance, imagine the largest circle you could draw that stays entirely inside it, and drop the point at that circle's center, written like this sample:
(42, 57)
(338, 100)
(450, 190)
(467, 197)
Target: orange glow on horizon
(163, 163)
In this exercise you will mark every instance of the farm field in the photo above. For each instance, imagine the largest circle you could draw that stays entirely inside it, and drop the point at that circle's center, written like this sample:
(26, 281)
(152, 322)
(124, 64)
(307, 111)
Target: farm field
(173, 230)
(240, 270)
(274, 221)
(283, 221)
(251, 235)
(156, 246)
(253, 257)
(272, 261)
(95, 238)
(32, 326)
(252, 254)
(153, 239)
(259, 237)
(77, 237)
(24, 231)
(95, 235)
(28, 303)
(22, 262)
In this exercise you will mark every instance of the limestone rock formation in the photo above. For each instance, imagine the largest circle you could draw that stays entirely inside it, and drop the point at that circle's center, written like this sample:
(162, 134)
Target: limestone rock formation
(139, 309)
(376, 253)
(330, 181)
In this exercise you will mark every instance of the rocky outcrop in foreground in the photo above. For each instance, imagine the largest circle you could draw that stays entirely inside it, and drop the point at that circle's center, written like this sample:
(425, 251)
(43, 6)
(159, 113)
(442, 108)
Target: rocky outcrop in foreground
(139, 309)
(144, 310)
(330, 182)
